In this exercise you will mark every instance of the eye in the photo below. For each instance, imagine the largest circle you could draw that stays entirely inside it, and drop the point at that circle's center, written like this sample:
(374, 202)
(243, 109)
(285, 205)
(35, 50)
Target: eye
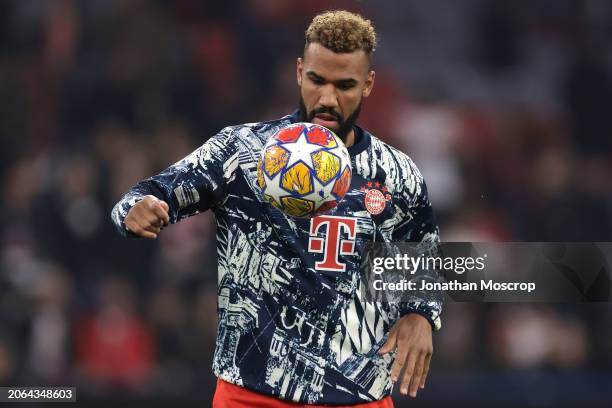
(317, 81)
(345, 85)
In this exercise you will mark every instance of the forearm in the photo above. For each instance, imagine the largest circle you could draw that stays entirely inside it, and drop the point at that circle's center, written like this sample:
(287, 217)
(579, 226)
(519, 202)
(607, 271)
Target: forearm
(188, 187)
(424, 235)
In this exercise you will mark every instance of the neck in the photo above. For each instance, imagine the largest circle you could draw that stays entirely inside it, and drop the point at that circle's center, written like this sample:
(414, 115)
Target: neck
(350, 138)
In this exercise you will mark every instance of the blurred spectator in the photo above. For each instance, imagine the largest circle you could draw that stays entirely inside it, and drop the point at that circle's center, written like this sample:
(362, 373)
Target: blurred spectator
(7, 363)
(114, 345)
(49, 348)
(588, 94)
(534, 336)
(430, 133)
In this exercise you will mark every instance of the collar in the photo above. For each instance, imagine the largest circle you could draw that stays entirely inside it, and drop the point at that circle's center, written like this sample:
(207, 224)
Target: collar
(362, 137)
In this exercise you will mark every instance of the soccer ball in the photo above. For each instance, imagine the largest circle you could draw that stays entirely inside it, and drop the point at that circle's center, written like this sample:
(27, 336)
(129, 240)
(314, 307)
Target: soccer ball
(304, 170)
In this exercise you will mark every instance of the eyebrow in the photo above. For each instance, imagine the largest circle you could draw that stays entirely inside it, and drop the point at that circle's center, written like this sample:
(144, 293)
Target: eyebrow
(348, 82)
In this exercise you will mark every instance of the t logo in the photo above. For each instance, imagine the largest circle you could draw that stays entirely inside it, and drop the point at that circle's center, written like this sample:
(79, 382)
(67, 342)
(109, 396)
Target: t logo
(332, 245)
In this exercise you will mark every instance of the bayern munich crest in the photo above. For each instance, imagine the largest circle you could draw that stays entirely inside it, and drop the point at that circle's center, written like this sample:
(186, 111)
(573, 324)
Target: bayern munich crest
(376, 197)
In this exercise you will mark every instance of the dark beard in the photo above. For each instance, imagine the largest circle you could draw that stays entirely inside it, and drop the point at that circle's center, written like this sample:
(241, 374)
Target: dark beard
(345, 126)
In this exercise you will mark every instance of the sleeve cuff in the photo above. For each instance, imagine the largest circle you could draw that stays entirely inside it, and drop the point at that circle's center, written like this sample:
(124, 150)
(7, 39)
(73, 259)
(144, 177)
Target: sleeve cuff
(432, 316)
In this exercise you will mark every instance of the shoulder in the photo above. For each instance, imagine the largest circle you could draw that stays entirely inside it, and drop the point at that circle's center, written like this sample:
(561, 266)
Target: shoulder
(230, 140)
(402, 174)
(259, 130)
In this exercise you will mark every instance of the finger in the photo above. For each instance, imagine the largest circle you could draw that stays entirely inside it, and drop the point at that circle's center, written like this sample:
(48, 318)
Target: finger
(137, 229)
(390, 343)
(408, 371)
(154, 221)
(143, 232)
(144, 229)
(399, 363)
(161, 211)
(148, 234)
(153, 228)
(416, 378)
(165, 206)
(425, 370)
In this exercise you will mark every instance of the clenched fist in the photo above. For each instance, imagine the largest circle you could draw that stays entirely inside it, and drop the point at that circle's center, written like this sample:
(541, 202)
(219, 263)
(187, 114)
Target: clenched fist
(147, 217)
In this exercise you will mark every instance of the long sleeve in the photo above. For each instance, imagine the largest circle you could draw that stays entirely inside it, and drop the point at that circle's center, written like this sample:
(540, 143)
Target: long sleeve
(192, 185)
(420, 228)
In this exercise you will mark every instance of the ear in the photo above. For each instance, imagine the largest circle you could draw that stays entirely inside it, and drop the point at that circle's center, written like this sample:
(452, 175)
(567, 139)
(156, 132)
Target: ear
(299, 69)
(369, 84)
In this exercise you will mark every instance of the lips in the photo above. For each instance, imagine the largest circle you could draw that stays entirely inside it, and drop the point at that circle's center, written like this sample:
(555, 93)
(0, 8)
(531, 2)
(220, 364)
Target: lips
(327, 120)
(330, 124)
(326, 117)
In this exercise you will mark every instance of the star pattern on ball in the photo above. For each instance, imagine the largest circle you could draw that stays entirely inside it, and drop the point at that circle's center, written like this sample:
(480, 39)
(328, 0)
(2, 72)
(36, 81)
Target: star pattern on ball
(319, 192)
(342, 152)
(302, 150)
(268, 181)
(299, 172)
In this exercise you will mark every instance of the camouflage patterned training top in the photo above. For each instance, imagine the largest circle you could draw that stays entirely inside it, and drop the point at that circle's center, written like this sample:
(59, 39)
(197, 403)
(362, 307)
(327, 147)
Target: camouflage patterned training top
(292, 323)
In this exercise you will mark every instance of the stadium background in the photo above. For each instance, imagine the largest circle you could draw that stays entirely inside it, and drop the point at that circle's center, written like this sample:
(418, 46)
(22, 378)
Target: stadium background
(506, 107)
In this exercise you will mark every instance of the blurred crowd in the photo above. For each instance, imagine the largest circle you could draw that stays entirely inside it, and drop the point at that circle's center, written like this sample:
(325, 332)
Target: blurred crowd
(507, 111)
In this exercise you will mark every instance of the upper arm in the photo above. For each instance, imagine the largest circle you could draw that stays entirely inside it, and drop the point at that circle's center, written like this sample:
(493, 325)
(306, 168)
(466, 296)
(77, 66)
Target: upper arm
(200, 180)
(194, 184)
(418, 222)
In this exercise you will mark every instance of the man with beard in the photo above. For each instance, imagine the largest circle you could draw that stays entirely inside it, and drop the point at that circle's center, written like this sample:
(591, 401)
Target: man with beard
(290, 332)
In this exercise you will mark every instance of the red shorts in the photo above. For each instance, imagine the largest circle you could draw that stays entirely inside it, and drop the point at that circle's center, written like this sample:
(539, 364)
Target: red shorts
(229, 395)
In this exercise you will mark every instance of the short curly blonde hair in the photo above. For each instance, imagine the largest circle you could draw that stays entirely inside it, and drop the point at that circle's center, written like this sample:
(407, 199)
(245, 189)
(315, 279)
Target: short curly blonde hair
(342, 32)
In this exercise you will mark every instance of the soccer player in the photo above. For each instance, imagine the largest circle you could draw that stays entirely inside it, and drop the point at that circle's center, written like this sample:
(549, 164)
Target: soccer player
(293, 328)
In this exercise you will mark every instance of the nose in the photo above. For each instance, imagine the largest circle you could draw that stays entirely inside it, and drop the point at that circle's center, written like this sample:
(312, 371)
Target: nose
(328, 97)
